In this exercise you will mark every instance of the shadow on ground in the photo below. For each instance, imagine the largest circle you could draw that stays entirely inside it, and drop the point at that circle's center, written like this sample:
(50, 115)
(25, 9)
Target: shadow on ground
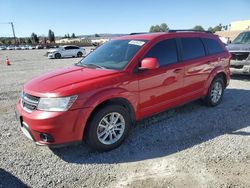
(241, 77)
(8, 180)
(172, 131)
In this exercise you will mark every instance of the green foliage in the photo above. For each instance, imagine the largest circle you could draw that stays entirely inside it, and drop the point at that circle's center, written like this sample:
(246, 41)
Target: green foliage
(51, 36)
(22, 41)
(34, 38)
(159, 28)
(28, 41)
(216, 28)
(198, 28)
(97, 35)
(73, 36)
(3, 41)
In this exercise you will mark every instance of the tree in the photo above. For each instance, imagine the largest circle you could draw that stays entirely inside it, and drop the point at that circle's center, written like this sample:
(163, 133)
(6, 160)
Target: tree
(73, 35)
(28, 41)
(97, 35)
(22, 41)
(156, 28)
(51, 36)
(216, 28)
(198, 28)
(34, 38)
(164, 27)
(210, 29)
(65, 36)
(3, 41)
(68, 36)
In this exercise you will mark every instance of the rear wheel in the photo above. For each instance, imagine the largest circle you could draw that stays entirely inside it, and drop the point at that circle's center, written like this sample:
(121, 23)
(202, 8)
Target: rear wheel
(58, 56)
(79, 54)
(215, 92)
(108, 128)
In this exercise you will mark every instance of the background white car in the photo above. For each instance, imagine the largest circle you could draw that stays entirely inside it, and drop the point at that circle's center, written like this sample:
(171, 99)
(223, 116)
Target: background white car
(2, 47)
(66, 51)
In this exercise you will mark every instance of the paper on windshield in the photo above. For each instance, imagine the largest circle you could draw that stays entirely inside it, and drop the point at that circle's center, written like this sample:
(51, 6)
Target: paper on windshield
(136, 42)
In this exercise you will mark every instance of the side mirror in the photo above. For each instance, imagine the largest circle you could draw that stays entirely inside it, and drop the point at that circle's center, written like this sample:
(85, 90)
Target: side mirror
(149, 63)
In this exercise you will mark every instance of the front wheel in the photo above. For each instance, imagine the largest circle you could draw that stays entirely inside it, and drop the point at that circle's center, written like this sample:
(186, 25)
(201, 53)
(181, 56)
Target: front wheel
(108, 128)
(215, 92)
(58, 56)
(79, 54)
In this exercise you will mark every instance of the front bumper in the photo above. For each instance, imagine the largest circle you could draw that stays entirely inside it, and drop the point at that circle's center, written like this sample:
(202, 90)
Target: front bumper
(240, 67)
(51, 55)
(61, 127)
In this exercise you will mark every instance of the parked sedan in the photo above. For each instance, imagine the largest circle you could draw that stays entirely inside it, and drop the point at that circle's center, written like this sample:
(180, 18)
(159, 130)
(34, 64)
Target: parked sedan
(24, 47)
(2, 47)
(10, 47)
(17, 48)
(66, 51)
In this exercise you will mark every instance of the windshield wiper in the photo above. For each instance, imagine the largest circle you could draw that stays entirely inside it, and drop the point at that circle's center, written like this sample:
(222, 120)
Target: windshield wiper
(93, 65)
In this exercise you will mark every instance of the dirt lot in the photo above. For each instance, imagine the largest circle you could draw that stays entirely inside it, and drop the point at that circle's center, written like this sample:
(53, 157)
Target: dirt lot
(191, 146)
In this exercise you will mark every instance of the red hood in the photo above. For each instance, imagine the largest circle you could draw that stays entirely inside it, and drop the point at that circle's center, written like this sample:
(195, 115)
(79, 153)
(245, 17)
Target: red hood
(53, 82)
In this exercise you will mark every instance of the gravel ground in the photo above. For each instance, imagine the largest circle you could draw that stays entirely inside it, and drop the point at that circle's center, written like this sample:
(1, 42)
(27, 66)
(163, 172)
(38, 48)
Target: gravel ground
(190, 146)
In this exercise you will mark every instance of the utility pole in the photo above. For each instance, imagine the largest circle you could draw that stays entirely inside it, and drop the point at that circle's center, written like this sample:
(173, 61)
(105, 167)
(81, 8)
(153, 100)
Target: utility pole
(13, 30)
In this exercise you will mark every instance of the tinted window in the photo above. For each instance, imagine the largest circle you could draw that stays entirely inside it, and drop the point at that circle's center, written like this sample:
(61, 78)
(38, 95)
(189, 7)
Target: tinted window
(74, 47)
(165, 52)
(192, 48)
(67, 48)
(213, 46)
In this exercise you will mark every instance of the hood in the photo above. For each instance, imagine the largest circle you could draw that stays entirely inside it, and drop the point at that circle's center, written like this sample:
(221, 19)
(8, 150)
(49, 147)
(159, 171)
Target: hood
(238, 47)
(63, 79)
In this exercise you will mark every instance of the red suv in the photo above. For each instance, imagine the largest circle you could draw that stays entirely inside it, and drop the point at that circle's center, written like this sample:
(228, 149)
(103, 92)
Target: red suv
(122, 81)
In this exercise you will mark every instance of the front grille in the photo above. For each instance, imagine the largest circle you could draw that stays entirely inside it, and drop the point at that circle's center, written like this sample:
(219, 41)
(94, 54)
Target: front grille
(237, 66)
(239, 56)
(29, 102)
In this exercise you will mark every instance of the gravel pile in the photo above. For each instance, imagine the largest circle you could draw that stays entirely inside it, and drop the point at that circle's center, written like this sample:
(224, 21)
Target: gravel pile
(190, 146)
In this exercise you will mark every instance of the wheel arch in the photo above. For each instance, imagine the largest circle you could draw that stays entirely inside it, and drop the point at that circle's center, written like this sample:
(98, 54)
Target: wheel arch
(218, 72)
(118, 101)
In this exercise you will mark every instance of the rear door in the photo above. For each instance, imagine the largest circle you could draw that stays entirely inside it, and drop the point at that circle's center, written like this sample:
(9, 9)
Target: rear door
(196, 65)
(74, 50)
(67, 51)
(161, 88)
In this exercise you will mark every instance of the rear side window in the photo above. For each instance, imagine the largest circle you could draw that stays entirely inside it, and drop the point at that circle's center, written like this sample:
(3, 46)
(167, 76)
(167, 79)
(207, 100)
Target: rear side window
(213, 46)
(165, 52)
(192, 48)
(74, 47)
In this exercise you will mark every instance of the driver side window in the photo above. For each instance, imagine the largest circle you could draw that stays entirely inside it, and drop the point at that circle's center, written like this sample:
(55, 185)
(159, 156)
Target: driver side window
(165, 51)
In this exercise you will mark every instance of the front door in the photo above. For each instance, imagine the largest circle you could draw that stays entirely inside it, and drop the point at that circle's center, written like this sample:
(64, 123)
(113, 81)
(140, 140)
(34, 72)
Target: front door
(161, 88)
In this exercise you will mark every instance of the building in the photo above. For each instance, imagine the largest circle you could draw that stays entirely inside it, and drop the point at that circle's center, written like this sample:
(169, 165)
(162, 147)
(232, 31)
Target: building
(239, 25)
(234, 29)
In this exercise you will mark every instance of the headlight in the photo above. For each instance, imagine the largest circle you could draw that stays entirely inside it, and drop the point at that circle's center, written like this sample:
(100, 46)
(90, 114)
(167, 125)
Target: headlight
(56, 104)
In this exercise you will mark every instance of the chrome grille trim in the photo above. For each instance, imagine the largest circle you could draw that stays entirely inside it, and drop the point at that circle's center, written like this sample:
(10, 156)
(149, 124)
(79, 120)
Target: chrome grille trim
(29, 102)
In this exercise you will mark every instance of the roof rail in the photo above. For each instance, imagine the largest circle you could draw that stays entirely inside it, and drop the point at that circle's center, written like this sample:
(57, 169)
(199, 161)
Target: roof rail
(138, 33)
(186, 30)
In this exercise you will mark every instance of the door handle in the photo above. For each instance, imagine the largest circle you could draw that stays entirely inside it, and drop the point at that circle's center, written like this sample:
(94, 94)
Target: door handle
(177, 70)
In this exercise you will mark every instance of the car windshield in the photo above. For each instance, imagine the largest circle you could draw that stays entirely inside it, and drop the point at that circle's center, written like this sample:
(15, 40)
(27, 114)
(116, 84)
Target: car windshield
(242, 38)
(115, 54)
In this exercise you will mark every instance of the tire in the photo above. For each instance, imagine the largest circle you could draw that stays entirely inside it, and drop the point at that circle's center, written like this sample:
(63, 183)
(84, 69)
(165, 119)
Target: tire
(58, 56)
(79, 54)
(215, 92)
(100, 136)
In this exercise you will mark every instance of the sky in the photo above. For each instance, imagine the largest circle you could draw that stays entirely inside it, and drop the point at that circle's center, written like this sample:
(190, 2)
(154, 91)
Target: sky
(84, 17)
